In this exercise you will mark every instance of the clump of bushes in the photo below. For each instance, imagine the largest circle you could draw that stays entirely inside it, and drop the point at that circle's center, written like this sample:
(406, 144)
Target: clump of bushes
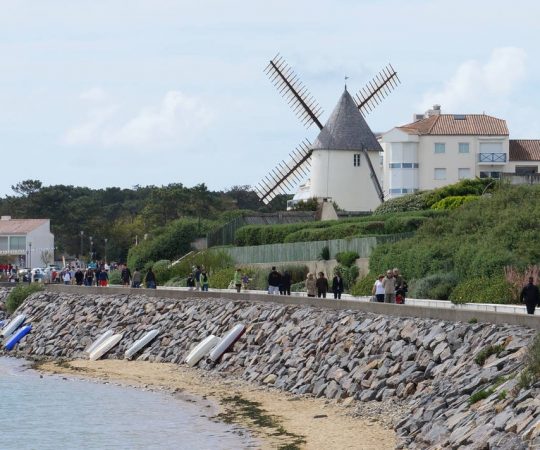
(115, 277)
(485, 353)
(453, 202)
(19, 294)
(482, 290)
(531, 373)
(364, 285)
(438, 286)
(347, 259)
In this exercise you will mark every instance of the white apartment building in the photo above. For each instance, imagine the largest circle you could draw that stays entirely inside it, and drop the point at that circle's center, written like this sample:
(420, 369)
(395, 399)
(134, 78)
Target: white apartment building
(439, 149)
(29, 242)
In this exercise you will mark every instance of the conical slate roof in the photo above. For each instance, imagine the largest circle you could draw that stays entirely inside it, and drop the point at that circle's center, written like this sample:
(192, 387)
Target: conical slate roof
(346, 129)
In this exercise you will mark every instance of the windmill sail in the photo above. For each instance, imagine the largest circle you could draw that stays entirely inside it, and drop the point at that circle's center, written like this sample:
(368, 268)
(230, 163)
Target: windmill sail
(289, 86)
(286, 175)
(376, 90)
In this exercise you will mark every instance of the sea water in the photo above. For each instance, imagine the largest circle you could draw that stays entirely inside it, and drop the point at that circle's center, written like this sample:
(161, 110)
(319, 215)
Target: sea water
(58, 412)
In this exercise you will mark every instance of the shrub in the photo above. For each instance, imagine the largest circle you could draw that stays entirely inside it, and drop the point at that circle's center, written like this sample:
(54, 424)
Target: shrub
(485, 353)
(325, 253)
(347, 259)
(480, 395)
(365, 285)
(222, 278)
(453, 202)
(531, 373)
(349, 275)
(404, 224)
(115, 277)
(162, 271)
(482, 290)
(19, 294)
(409, 202)
(177, 282)
(438, 286)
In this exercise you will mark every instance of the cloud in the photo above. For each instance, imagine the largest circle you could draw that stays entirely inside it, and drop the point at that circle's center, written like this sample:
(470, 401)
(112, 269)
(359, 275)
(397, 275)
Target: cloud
(477, 85)
(178, 119)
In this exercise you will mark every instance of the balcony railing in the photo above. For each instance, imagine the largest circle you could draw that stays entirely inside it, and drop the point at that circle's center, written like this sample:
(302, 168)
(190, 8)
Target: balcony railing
(492, 158)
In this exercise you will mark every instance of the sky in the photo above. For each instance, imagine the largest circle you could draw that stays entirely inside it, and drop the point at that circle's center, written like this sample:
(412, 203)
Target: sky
(126, 93)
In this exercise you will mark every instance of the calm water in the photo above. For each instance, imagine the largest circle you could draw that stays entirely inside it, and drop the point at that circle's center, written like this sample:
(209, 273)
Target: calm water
(56, 413)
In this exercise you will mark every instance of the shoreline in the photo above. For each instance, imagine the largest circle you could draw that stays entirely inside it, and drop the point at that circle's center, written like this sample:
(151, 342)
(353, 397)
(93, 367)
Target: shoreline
(277, 419)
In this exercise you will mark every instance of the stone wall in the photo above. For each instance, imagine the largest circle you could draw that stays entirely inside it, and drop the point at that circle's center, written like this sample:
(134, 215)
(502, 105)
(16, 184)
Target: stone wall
(425, 365)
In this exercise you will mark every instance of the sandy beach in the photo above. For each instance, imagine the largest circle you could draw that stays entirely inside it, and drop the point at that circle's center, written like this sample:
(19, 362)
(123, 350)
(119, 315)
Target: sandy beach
(276, 418)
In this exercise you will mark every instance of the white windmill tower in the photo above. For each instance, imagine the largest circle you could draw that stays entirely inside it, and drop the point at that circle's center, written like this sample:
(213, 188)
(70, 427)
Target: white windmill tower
(337, 169)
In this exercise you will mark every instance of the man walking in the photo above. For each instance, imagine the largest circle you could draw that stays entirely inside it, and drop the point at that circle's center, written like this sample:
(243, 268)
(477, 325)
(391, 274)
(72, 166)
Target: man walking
(389, 287)
(530, 296)
(274, 278)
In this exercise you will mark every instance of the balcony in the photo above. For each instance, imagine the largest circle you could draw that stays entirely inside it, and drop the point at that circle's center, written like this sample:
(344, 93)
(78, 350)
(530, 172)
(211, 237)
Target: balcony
(491, 158)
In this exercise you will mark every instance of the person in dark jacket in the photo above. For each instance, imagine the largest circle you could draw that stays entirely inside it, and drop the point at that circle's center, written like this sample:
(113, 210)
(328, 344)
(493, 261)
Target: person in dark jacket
(274, 279)
(285, 284)
(530, 296)
(150, 279)
(322, 285)
(337, 285)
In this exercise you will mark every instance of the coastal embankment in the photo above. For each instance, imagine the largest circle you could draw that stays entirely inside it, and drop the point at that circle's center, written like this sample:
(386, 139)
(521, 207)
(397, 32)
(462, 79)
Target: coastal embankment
(452, 384)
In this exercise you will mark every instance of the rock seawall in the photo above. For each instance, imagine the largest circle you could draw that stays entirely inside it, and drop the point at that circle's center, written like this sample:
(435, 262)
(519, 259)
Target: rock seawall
(426, 365)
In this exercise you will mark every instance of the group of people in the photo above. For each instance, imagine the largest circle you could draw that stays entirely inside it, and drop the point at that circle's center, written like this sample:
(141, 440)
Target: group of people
(280, 283)
(390, 288)
(320, 287)
(198, 279)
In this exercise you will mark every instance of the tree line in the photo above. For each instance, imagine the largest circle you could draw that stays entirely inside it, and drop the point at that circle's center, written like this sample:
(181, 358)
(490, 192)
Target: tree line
(114, 219)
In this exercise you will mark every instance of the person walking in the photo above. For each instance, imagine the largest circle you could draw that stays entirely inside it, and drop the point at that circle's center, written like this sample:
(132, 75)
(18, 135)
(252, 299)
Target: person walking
(237, 280)
(400, 286)
(337, 286)
(126, 276)
(197, 276)
(150, 279)
(274, 278)
(389, 287)
(322, 285)
(103, 278)
(530, 295)
(137, 278)
(311, 285)
(285, 284)
(66, 277)
(378, 289)
(89, 277)
(204, 280)
(79, 277)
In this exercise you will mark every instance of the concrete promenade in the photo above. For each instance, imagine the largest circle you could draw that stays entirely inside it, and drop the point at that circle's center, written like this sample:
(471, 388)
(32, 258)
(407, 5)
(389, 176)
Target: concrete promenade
(433, 309)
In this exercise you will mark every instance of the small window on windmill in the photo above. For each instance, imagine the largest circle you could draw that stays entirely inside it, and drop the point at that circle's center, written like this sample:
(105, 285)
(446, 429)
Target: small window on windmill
(356, 160)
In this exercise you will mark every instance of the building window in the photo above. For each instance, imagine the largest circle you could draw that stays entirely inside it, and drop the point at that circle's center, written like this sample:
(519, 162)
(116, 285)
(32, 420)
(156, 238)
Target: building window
(403, 190)
(464, 173)
(4, 243)
(526, 170)
(403, 165)
(440, 174)
(17, 243)
(356, 160)
(495, 175)
(440, 147)
(463, 147)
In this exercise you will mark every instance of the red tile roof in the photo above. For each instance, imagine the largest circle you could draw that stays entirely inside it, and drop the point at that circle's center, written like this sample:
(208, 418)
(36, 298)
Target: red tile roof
(20, 226)
(458, 124)
(524, 149)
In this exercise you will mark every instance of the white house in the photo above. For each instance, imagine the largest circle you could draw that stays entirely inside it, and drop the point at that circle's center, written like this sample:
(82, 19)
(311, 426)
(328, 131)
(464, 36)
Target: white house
(29, 241)
(339, 167)
(439, 149)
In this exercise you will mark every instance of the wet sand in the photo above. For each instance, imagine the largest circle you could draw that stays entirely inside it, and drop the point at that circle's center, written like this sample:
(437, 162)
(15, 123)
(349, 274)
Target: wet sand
(277, 418)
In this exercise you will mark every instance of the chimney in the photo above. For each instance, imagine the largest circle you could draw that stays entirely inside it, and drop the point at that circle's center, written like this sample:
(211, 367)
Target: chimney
(436, 111)
(417, 117)
(5, 218)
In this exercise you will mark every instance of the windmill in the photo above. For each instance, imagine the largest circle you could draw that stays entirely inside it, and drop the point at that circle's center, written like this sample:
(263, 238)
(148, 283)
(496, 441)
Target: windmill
(346, 129)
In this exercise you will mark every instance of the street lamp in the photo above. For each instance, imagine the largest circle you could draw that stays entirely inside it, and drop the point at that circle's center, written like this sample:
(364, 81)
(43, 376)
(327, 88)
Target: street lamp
(91, 248)
(81, 253)
(105, 250)
(30, 255)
